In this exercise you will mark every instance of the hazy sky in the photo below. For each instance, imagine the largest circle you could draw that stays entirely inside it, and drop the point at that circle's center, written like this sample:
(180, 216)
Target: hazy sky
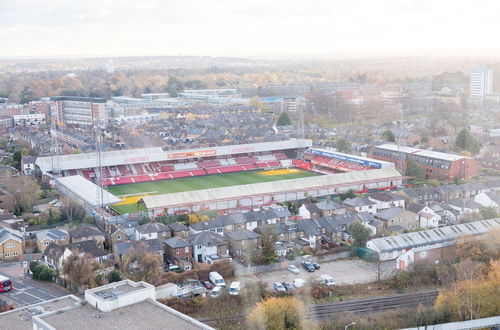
(249, 27)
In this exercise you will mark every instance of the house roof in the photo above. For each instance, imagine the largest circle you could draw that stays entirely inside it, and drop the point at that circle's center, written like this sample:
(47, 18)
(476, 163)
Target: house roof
(494, 196)
(358, 201)
(176, 242)
(85, 231)
(52, 234)
(152, 227)
(464, 203)
(53, 251)
(207, 238)
(177, 226)
(389, 213)
(385, 197)
(242, 234)
(151, 245)
(313, 208)
(366, 217)
(6, 234)
(415, 207)
(207, 225)
(328, 204)
(89, 247)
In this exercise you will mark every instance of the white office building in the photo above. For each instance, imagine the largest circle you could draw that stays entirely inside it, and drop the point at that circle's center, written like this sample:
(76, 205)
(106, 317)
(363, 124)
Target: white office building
(481, 83)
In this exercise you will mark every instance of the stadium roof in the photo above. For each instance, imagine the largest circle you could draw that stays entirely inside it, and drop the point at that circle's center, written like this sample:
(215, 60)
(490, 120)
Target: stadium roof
(207, 195)
(86, 191)
(108, 158)
(432, 236)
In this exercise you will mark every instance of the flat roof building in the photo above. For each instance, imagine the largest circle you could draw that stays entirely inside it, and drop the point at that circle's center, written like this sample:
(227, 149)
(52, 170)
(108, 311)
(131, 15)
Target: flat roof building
(436, 165)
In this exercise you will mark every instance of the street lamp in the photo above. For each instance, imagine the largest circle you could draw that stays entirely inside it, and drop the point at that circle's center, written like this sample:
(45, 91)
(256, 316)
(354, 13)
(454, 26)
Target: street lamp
(347, 326)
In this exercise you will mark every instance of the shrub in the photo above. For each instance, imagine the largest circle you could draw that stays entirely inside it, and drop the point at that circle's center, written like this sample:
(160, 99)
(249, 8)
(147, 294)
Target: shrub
(42, 272)
(224, 267)
(114, 276)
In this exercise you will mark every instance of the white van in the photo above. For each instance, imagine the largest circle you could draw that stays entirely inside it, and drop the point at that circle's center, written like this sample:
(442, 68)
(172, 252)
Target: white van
(216, 279)
(326, 280)
(234, 289)
(299, 283)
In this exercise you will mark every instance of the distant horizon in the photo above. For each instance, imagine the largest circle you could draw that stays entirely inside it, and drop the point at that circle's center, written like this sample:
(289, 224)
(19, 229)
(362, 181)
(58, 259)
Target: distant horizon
(259, 28)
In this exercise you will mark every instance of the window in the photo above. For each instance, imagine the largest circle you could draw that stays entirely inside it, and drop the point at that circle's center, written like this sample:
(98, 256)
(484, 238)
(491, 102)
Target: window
(199, 247)
(14, 254)
(118, 237)
(11, 245)
(186, 249)
(177, 251)
(219, 230)
(6, 255)
(149, 235)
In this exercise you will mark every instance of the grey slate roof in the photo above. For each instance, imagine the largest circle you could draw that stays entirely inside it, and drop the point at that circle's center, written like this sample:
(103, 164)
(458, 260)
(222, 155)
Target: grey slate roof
(6, 235)
(177, 226)
(328, 205)
(358, 201)
(207, 238)
(176, 242)
(386, 197)
(152, 227)
(151, 245)
(464, 203)
(53, 234)
(389, 213)
(53, 251)
(242, 234)
(85, 231)
(86, 247)
(415, 207)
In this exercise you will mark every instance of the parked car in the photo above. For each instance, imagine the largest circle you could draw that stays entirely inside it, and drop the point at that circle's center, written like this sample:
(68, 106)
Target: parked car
(207, 285)
(299, 283)
(234, 289)
(278, 286)
(293, 269)
(216, 292)
(308, 266)
(172, 268)
(315, 265)
(288, 286)
(326, 280)
(216, 279)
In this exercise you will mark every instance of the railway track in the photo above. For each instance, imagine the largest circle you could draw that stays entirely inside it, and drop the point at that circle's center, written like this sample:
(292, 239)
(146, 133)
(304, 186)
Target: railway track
(324, 311)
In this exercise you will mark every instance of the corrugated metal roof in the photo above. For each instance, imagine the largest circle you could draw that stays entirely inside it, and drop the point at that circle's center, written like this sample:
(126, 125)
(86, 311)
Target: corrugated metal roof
(206, 195)
(432, 236)
(87, 191)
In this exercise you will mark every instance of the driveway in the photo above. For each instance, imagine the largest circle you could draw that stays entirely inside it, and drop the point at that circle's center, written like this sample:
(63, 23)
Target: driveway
(343, 271)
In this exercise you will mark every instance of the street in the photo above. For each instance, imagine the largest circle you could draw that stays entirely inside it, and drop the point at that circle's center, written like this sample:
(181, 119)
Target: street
(27, 291)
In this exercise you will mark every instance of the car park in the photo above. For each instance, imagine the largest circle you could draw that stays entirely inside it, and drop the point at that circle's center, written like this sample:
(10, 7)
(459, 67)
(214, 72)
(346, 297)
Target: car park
(277, 286)
(288, 286)
(293, 269)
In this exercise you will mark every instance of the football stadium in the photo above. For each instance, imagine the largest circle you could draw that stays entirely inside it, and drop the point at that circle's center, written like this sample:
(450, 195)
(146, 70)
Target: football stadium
(220, 178)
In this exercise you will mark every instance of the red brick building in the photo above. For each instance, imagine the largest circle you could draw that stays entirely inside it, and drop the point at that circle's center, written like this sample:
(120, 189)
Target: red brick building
(436, 165)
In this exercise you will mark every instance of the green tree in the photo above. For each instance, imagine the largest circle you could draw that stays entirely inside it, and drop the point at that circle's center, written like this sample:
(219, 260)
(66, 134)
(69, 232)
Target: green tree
(267, 253)
(465, 141)
(284, 120)
(359, 233)
(389, 135)
(413, 169)
(114, 276)
(488, 213)
(42, 272)
(343, 145)
(348, 194)
(16, 159)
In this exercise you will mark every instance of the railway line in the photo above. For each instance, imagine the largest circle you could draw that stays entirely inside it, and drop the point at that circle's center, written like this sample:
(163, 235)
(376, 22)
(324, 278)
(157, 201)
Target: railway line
(324, 311)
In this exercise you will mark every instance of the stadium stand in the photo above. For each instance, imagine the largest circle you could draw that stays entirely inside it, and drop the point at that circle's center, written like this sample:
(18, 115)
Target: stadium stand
(185, 166)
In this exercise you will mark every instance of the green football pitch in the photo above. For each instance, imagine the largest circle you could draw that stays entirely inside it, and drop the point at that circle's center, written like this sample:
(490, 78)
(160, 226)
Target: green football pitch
(133, 191)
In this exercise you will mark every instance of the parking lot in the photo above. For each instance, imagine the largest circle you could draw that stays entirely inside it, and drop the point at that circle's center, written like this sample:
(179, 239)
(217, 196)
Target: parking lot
(26, 291)
(343, 272)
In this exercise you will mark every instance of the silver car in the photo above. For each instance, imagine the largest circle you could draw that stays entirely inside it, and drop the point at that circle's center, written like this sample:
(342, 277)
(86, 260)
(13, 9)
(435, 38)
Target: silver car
(293, 269)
